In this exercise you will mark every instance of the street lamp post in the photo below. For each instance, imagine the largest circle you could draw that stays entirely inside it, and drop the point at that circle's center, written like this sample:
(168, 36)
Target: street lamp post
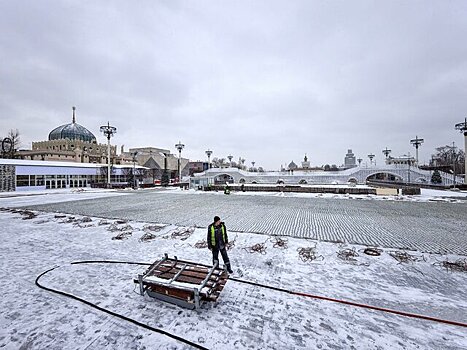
(408, 171)
(455, 155)
(462, 127)
(241, 162)
(386, 152)
(134, 170)
(179, 146)
(371, 156)
(416, 142)
(408, 157)
(165, 175)
(229, 157)
(359, 160)
(208, 153)
(108, 132)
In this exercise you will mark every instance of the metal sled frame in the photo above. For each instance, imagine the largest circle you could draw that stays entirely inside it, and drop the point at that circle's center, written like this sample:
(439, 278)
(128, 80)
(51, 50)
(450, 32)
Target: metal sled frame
(183, 283)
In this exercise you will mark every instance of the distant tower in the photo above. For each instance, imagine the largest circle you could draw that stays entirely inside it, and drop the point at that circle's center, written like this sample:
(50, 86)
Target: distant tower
(208, 153)
(349, 160)
(305, 163)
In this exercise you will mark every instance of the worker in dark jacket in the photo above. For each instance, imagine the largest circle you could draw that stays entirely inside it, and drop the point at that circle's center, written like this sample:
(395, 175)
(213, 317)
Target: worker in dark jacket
(217, 241)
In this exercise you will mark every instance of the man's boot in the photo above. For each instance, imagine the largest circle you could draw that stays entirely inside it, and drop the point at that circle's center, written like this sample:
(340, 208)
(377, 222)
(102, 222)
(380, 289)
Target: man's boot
(229, 269)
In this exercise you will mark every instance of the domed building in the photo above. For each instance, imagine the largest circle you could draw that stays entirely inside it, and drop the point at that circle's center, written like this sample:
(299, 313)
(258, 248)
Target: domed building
(72, 131)
(70, 142)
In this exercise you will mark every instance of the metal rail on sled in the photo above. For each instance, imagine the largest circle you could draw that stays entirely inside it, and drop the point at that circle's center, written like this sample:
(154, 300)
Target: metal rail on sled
(183, 283)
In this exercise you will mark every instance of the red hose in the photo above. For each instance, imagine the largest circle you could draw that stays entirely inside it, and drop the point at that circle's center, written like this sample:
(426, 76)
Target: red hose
(345, 302)
(371, 307)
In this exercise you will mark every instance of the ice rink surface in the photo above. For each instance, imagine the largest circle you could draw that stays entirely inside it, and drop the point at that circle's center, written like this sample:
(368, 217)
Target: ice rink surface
(431, 225)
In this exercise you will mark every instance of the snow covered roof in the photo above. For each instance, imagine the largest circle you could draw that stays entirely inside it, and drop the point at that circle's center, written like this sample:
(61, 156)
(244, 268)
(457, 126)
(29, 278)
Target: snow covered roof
(45, 163)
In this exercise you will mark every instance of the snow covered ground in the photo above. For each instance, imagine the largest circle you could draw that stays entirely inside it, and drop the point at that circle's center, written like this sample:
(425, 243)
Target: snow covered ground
(21, 198)
(244, 317)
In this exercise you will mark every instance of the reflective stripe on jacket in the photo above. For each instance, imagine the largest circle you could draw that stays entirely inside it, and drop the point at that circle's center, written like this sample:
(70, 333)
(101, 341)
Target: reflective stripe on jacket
(213, 235)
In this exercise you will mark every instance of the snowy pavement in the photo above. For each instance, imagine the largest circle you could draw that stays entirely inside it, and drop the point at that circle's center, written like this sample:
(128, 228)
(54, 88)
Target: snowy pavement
(244, 317)
(434, 222)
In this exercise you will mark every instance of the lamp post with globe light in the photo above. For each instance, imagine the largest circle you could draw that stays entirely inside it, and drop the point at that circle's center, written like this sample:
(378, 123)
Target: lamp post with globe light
(179, 146)
(229, 157)
(108, 132)
(462, 127)
(416, 142)
(371, 156)
(386, 152)
(135, 154)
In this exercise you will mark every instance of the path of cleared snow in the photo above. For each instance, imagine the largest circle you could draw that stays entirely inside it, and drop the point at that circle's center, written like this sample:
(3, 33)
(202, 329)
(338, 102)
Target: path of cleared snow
(244, 317)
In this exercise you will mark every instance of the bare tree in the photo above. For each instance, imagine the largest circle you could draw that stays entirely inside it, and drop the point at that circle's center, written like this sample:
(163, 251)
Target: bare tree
(14, 135)
(222, 163)
(219, 163)
(449, 157)
(215, 162)
(103, 171)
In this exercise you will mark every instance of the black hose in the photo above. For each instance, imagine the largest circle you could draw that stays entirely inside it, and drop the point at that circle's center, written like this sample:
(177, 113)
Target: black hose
(157, 330)
(345, 302)
(108, 262)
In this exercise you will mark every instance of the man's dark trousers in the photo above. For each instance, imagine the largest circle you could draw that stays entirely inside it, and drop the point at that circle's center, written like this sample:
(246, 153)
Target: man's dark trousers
(225, 257)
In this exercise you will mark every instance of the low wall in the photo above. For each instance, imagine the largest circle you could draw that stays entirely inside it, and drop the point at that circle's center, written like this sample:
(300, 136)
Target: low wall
(407, 189)
(293, 188)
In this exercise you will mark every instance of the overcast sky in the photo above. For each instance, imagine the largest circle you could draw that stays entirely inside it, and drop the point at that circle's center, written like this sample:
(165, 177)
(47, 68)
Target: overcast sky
(265, 80)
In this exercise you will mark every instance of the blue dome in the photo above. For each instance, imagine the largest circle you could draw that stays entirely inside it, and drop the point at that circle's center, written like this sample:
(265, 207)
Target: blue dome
(72, 131)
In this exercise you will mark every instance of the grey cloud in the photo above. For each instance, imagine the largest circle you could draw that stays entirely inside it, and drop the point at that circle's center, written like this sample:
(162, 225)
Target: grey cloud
(265, 80)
